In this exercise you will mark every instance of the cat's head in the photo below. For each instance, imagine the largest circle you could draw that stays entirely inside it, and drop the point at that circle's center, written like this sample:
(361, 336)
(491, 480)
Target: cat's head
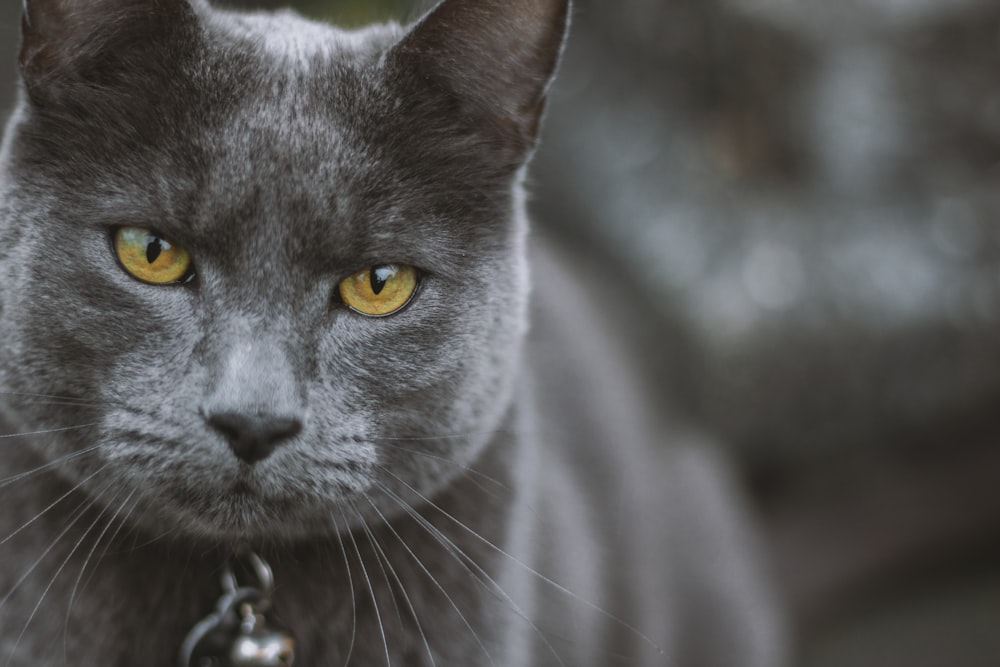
(260, 269)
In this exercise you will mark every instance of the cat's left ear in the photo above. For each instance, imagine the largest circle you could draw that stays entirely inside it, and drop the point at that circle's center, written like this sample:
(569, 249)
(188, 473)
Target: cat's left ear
(496, 57)
(69, 42)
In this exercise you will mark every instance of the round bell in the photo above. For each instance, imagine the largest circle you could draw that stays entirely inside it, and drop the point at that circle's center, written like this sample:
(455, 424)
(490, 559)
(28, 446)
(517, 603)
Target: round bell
(263, 647)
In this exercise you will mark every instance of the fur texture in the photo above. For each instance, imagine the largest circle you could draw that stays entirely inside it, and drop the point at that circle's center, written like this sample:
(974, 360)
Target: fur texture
(459, 493)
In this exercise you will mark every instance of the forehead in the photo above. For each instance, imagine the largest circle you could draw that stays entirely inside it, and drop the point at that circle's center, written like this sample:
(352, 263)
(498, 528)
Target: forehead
(279, 122)
(278, 83)
(311, 132)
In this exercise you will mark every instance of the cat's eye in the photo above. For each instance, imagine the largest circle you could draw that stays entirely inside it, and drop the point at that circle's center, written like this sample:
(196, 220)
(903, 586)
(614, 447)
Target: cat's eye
(150, 257)
(379, 290)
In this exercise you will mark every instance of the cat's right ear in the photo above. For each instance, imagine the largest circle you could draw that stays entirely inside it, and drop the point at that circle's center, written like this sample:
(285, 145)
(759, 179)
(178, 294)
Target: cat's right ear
(65, 43)
(495, 58)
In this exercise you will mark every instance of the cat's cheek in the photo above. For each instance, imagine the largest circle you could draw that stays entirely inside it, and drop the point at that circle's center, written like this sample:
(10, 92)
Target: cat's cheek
(108, 344)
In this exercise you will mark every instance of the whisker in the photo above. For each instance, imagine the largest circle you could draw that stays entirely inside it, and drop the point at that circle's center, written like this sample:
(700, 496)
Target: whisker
(471, 473)
(61, 403)
(79, 512)
(371, 590)
(113, 537)
(466, 561)
(45, 431)
(62, 566)
(464, 467)
(61, 498)
(51, 464)
(452, 436)
(551, 582)
(381, 566)
(83, 568)
(438, 585)
(354, 603)
(136, 545)
(402, 589)
(69, 399)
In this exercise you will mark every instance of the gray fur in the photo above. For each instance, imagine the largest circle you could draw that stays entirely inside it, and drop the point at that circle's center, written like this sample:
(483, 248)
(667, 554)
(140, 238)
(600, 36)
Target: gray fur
(285, 155)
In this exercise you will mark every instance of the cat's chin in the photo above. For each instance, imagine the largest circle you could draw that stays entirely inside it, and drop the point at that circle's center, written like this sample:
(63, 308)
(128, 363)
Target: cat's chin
(241, 509)
(242, 516)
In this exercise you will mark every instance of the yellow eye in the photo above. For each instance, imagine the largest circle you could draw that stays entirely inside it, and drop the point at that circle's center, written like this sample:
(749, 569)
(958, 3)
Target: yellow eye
(379, 290)
(150, 257)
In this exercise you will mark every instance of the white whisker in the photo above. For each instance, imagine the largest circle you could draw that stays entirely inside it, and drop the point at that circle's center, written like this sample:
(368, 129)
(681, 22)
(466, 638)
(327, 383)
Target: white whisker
(70, 400)
(466, 561)
(440, 588)
(452, 436)
(551, 582)
(402, 588)
(112, 539)
(465, 468)
(45, 431)
(381, 566)
(354, 603)
(371, 590)
(80, 512)
(83, 568)
(62, 566)
(58, 500)
(55, 463)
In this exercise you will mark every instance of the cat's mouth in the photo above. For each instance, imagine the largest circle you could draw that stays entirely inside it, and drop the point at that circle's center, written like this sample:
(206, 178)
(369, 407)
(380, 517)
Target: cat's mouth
(251, 502)
(286, 496)
(245, 510)
(248, 489)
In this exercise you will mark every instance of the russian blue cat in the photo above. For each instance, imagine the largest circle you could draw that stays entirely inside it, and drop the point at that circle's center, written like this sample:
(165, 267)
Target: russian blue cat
(267, 286)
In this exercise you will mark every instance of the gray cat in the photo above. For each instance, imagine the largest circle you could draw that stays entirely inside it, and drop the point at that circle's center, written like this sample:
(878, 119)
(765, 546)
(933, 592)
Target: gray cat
(264, 289)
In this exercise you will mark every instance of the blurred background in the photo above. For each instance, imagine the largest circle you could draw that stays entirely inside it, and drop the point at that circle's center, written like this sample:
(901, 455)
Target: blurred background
(807, 193)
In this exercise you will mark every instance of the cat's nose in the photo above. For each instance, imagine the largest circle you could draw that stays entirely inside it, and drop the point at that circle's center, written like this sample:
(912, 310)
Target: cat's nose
(253, 437)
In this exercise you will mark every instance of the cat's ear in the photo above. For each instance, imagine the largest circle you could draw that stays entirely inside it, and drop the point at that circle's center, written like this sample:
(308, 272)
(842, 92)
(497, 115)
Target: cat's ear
(497, 57)
(88, 41)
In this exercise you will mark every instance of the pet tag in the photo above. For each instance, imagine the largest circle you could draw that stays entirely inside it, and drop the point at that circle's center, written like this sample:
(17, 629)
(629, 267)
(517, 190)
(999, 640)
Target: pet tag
(236, 634)
(260, 646)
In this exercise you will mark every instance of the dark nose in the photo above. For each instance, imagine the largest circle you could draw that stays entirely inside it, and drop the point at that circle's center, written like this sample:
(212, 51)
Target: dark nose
(253, 437)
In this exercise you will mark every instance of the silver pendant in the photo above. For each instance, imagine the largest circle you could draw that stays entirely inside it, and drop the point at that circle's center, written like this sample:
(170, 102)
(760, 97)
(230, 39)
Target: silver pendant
(237, 634)
(260, 646)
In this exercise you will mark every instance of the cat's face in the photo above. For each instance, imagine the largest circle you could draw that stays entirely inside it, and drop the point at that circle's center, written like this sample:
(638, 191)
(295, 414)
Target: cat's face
(283, 158)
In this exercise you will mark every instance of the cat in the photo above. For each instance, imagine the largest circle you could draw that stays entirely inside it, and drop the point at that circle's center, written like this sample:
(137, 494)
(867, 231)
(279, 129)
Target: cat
(267, 286)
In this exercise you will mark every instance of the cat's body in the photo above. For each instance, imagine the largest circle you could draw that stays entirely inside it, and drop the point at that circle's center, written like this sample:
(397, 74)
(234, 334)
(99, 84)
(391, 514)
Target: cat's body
(450, 494)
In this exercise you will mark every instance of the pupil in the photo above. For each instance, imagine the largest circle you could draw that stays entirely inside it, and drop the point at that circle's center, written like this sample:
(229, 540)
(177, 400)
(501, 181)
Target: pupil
(380, 275)
(153, 250)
